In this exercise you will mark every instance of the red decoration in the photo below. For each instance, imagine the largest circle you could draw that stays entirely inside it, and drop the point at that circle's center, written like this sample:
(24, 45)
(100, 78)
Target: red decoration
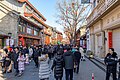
(110, 39)
(22, 40)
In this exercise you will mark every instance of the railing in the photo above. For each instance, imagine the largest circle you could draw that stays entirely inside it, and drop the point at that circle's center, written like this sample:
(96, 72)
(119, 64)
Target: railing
(26, 34)
(99, 10)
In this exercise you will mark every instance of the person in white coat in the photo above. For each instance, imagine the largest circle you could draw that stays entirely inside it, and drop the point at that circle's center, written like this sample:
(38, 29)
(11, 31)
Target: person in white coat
(44, 69)
(81, 50)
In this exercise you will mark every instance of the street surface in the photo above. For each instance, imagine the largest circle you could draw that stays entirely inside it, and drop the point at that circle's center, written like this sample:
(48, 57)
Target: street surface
(86, 70)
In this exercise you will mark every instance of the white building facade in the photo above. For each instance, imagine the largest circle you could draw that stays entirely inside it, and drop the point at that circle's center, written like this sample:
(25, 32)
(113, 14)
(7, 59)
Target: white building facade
(104, 26)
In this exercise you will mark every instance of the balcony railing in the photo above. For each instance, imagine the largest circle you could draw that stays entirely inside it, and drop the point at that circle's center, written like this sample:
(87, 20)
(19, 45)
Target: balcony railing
(99, 10)
(32, 35)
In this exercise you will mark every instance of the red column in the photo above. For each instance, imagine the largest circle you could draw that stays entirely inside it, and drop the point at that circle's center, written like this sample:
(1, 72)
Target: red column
(110, 40)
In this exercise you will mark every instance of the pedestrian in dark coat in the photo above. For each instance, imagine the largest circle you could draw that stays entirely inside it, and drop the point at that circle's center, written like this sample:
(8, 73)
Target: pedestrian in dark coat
(58, 65)
(35, 56)
(77, 56)
(15, 57)
(111, 60)
(25, 50)
(69, 63)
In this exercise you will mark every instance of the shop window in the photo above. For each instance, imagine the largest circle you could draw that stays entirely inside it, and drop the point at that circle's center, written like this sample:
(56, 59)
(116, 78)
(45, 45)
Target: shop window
(21, 28)
(36, 33)
(29, 31)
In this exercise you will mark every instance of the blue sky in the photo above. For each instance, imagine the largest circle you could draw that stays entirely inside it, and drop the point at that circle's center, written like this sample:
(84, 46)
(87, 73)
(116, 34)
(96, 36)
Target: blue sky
(47, 8)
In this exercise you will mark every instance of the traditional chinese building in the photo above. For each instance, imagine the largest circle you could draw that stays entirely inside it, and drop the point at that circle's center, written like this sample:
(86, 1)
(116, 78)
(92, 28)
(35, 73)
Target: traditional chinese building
(23, 20)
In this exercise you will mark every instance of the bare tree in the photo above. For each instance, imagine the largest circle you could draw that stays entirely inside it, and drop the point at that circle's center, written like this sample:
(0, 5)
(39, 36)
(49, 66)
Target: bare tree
(70, 14)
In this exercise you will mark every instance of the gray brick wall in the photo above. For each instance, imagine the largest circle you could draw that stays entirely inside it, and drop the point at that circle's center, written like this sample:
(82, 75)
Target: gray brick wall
(9, 24)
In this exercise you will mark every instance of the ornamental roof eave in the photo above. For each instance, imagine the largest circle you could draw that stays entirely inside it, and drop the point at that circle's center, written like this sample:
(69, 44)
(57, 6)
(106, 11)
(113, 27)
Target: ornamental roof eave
(31, 22)
(26, 1)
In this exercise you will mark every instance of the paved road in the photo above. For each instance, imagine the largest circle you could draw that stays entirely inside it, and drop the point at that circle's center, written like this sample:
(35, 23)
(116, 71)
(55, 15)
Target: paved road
(86, 70)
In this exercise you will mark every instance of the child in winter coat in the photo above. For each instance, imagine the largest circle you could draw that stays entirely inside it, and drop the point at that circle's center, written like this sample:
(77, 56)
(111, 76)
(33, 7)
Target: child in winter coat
(21, 63)
(27, 59)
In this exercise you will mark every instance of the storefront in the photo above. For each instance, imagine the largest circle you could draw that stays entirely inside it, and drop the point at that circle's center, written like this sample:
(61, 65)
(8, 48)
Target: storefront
(25, 40)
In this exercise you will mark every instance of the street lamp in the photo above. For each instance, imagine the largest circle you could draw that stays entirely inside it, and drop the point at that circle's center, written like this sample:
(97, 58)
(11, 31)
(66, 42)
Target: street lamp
(9, 34)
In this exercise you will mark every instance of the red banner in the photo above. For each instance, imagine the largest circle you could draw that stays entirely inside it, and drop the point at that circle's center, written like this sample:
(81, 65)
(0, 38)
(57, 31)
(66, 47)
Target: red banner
(22, 40)
(110, 39)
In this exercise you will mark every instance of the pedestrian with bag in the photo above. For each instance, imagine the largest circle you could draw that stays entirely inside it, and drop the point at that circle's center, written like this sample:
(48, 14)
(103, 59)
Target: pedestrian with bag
(111, 60)
(58, 64)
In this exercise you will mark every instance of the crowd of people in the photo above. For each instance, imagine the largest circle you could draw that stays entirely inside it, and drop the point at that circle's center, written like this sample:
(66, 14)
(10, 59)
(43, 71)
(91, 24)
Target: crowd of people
(63, 57)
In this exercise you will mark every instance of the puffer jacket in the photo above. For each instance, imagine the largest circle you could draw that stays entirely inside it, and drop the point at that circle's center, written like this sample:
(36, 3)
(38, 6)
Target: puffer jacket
(58, 65)
(44, 69)
(69, 60)
(111, 62)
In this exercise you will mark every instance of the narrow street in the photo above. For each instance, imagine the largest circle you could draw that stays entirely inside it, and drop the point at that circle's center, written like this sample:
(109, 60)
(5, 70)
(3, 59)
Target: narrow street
(86, 70)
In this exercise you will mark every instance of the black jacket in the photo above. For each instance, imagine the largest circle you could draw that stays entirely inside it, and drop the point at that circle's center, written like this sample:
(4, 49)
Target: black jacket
(77, 56)
(111, 62)
(58, 65)
(36, 53)
(15, 56)
(69, 60)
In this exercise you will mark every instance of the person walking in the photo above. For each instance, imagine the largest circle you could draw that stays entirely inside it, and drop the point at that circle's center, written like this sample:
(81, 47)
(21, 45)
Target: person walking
(69, 63)
(58, 65)
(77, 56)
(7, 60)
(21, 63)
(15, 57)
(30, 52)
(44, 69)
(111, 60)
(36, 55)
(81, 50)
